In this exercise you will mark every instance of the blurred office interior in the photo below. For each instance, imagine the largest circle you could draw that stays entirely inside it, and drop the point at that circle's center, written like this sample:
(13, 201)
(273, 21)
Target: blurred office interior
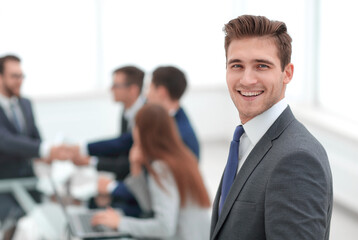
(70, 48)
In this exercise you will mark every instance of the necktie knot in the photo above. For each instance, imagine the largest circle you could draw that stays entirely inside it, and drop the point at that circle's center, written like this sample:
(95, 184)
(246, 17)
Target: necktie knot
(238, 133)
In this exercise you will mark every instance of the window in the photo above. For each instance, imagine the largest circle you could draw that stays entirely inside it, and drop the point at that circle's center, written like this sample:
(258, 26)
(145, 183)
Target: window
(338, 47)
(56, 41)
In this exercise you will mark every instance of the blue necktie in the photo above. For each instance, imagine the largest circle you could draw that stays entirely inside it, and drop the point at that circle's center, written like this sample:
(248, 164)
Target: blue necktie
(15, 118)
(231, 166)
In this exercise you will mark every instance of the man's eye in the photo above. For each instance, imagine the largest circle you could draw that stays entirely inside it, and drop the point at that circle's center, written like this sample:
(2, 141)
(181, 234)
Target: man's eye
(262, 66)
(236, 66)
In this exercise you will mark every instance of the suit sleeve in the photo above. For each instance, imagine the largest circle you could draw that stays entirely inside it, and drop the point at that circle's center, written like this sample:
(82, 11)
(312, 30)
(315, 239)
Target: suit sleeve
(297, 198)
(34, 132)
(25, 146)
(111, 147)
(118, 165)
(18, 145)
(191, 141)
(122, 191)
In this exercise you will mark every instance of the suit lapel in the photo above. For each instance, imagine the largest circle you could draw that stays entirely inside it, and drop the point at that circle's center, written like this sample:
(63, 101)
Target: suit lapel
(215, 212)
(250, 164)
(6, 120)
(254, 158)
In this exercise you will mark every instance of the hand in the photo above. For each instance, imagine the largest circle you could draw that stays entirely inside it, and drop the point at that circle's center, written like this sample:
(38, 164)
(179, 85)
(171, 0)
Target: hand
(136, 155)
(109, 218)
(60, 152)
(102, 185)
(136, 160)
(103, 200)
(77, 158)
(81, 160)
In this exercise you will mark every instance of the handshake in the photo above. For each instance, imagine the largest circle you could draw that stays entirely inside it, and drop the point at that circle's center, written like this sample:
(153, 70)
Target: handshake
(67, 152)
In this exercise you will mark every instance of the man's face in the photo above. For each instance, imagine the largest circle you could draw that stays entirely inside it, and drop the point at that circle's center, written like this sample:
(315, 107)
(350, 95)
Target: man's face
(120, 87)
(254, 76)
(11, 79)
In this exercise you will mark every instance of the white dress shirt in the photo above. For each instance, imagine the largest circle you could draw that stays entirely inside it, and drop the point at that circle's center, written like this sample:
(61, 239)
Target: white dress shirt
(131, 112)
(256, 128)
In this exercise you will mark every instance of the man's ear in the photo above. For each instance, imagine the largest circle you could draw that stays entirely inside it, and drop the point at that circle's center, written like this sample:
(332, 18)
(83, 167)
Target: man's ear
(134, 89)
(1, 79)
(162, 92)
(288, 73)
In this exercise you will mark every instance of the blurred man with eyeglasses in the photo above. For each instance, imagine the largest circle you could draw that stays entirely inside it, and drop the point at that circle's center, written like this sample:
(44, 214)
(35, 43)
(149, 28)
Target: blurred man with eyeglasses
(126, 89)
(20, 140)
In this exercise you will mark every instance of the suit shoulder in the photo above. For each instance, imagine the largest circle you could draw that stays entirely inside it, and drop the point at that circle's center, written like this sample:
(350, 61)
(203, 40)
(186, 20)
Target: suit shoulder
(298, 137)
(25, 100)
(299, 148)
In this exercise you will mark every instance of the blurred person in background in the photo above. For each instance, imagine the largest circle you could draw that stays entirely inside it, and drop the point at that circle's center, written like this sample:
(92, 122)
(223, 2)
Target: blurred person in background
(169, 174)
(20, 139)
(166, 89)
(126, 88)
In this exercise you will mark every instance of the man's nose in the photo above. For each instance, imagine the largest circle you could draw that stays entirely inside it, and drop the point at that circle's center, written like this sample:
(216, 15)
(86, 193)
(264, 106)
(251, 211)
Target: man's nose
(248, 77)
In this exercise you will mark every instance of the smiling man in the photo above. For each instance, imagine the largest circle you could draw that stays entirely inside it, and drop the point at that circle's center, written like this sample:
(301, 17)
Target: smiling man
(277, 183)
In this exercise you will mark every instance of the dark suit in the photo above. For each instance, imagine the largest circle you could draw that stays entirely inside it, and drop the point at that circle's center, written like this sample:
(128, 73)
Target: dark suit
(283, 190)
(16, 151)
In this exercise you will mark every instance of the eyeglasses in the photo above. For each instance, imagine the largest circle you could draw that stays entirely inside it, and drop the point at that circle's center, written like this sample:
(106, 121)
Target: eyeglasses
(119, 85)
(17, 76)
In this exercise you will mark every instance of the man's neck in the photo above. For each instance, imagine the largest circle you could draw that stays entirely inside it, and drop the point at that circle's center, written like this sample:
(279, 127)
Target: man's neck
(172, 106)
(127, 105)
(5, 94)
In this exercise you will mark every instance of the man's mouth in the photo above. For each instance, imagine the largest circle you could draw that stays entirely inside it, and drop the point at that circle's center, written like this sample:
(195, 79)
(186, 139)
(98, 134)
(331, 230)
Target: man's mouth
(250, 94)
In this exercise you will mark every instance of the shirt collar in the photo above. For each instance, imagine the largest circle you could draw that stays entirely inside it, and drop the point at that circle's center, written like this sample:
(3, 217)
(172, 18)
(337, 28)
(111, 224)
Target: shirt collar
(6, 101)
(258, 126)
(131, 112)
(173, 112)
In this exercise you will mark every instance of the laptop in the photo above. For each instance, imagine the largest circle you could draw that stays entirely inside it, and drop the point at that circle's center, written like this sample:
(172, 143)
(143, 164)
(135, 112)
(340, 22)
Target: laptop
(80, 222)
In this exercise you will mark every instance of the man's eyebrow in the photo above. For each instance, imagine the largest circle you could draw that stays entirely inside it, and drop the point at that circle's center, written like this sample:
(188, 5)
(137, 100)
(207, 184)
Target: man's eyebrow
(235, 60)
(264, 61)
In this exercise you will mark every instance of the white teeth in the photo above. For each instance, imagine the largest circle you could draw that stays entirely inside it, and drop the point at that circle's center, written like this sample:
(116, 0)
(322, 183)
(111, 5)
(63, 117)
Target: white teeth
(250, 94)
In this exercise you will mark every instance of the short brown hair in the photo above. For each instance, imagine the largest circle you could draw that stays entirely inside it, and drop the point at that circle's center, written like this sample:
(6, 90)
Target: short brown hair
(172, 79)
(134, 76)
(259, 26)
(6, 58)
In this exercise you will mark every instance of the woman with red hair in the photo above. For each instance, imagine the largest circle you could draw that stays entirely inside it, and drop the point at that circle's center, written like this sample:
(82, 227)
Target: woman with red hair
(174, 187)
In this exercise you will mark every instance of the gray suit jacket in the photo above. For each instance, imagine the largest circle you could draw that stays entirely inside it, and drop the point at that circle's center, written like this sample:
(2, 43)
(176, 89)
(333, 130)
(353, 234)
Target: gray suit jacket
(17, 149)
(283, 190)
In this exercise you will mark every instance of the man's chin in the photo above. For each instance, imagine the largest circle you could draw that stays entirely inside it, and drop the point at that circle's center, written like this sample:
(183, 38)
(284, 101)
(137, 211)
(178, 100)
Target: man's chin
(16, 94)
(12, 93)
